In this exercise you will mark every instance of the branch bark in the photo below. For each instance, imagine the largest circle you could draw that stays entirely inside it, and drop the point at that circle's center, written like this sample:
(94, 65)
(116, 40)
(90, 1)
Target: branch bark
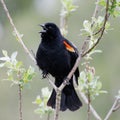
(20, 102)
(115, 107)
(57, 107)
(82, 95)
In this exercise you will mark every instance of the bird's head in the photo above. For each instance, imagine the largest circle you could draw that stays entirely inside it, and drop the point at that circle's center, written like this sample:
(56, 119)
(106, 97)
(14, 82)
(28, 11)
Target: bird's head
(50, 30)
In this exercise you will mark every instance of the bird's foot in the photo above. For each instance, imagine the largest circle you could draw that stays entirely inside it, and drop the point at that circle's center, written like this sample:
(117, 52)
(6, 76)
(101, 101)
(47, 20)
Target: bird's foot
(44, 74)
(66, 81)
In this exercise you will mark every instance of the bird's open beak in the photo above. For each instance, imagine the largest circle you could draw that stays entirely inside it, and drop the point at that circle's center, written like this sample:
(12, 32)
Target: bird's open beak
(44, 28)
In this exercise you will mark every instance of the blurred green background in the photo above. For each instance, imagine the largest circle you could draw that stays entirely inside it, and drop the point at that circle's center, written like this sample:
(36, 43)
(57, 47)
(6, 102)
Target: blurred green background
(27, 14)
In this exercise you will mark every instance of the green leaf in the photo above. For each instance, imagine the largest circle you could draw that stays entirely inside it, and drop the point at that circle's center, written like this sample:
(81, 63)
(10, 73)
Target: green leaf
(89, 82)
(2, 65)
(68, 7)
(45, 92)
(99, 85)
(10, 77)
(30, 70)
(4, 58)
(19, 64)
(103, 91)
(87, 26)
(16, 73)
(43, 109)
(38, 100)
(83, 76)
(118, 96)
(102, 3)
(13, 56)
(30, 77)
(5, 53)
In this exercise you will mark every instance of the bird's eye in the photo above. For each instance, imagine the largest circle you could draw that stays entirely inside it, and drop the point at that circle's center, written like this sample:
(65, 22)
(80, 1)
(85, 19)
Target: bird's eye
(49, 27)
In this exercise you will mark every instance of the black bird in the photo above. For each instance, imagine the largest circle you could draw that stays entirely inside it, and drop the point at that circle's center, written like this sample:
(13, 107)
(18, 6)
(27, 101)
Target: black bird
(56, 56)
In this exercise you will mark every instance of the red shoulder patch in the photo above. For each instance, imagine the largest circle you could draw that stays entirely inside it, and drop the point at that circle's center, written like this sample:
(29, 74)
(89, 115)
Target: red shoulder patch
(68, 47)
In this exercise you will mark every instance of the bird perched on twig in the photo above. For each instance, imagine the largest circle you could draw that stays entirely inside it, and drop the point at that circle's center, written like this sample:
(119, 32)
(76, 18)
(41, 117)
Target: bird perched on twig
(56, 56)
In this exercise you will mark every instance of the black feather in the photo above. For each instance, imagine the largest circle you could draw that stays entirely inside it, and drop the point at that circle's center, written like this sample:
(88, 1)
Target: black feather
(54, 58)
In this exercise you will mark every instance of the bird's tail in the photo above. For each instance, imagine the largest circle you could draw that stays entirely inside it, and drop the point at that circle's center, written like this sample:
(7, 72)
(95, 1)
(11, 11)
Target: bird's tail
(69, 99)
(72, 101)
(52, 101)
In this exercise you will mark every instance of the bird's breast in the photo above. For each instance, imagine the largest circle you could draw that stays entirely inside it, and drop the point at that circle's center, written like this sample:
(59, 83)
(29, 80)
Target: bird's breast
(55, 61)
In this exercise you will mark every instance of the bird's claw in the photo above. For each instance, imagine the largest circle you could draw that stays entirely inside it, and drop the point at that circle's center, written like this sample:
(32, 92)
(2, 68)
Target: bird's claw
(44, 74)
(66, 81)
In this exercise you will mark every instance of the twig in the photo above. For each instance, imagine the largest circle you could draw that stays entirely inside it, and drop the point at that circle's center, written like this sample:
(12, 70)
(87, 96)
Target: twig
(82, 95)
(20, 102)
(63, 22)
(57, 106)
(96, 9)
(102, 31)
(95, 12)
(48, 116)
(98, 31)
(88, 91)
(117, 107)
(113, 108)
(16, 31)
(93, 111)
(53, 85)
(89, 102)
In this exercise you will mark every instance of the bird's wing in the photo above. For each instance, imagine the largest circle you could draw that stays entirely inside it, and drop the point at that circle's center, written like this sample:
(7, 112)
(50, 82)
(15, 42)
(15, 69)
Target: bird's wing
(72, 49)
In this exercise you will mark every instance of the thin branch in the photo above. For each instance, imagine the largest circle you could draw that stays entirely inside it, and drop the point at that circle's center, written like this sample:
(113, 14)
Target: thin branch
(93, 111)
(16, 31)
(63, 22)
(57, 106)
(102, 31)
(20, 102)
(113, 108)
(48, 116)
(89, 102)
(82, 95)
(88, 93)
(51, 82)
(95, 12)
(96, 9)
(62, 19)
(20, 97)
(117, 107)
(96, 33)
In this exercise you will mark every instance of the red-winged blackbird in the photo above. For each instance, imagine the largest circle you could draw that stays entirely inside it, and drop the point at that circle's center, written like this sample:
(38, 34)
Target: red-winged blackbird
(56, 56)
